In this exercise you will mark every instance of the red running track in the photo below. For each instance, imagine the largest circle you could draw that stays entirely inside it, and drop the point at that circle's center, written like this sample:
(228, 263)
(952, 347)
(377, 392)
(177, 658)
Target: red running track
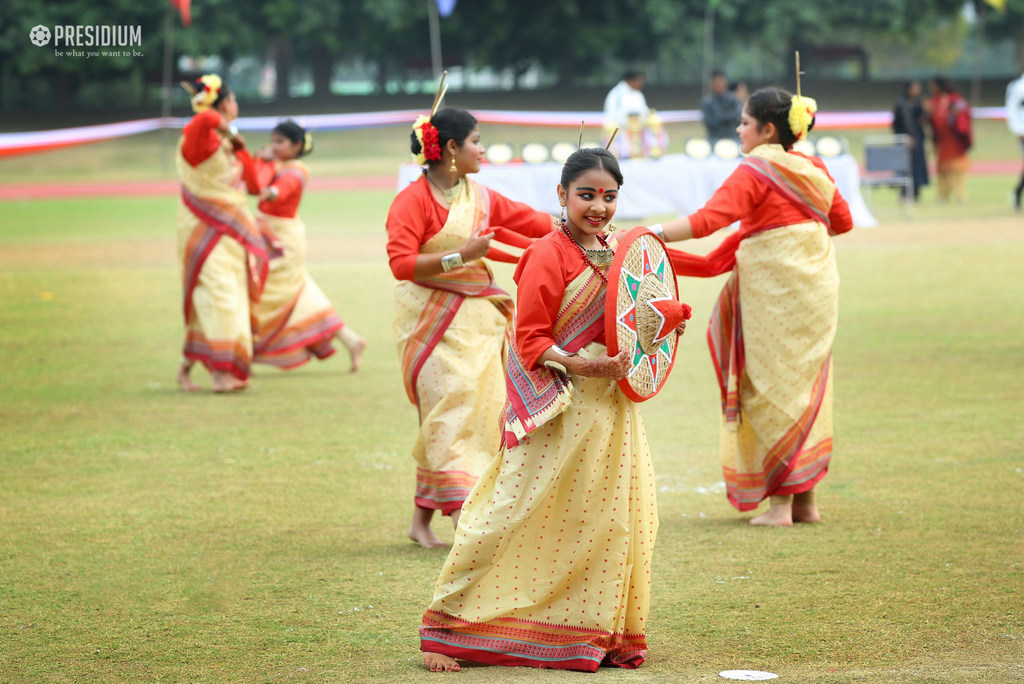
(34, 191)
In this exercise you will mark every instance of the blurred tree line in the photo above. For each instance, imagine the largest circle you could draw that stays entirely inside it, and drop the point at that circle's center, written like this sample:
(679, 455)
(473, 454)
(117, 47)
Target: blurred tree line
(575, 43)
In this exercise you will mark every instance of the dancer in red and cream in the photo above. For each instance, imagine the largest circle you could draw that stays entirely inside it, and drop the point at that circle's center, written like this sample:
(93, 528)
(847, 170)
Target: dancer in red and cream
(771, 335)
(224, 255)
(551, 565)
(293, 321)
(451, 320)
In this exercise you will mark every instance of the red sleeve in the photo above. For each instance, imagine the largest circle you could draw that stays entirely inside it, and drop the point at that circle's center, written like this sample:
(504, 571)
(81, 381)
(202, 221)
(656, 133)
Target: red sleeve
(200, 137)
(839, 217)
(256, 172)
(734, 200)
(406, 224)
(289, 194)
(541, 287)
(518, 217)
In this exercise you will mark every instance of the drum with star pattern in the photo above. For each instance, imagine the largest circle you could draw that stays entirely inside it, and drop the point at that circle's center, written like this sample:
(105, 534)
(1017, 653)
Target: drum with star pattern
(642, 311)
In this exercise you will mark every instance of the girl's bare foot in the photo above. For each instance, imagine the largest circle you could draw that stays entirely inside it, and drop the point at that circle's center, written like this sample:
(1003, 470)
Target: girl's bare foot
(779, 513)
(436, 662)
(184, 378)
(419, 529)
(354, 344)
(226, 382)
(356, 353)
(805, 510)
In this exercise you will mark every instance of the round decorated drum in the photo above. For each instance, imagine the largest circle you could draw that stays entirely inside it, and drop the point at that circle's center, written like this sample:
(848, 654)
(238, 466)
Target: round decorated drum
(642, 312)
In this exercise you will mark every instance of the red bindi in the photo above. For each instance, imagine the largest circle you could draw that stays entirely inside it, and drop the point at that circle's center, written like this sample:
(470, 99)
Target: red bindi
(600, 191)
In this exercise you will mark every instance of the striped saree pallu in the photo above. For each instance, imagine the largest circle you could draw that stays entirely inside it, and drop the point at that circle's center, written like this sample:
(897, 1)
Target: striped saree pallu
(224, 219)
(535, 396)
(450, 290)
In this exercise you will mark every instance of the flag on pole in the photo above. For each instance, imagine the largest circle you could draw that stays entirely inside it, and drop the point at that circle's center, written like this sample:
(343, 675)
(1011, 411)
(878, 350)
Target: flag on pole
(445, 7)
(184, 8)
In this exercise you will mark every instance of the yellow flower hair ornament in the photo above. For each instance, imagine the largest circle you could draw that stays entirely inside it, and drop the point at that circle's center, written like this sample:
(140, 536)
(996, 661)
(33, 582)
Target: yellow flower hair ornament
(307, 143)
(428, 138)
(801, 115)
(208, 94)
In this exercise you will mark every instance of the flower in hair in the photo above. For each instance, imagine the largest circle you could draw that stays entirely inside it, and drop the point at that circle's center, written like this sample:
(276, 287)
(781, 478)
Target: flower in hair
(426, 134)
(205, 97)
(801, 115)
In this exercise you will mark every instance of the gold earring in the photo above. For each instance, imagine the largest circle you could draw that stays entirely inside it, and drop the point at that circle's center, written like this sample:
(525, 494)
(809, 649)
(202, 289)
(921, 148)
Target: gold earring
(453, 168)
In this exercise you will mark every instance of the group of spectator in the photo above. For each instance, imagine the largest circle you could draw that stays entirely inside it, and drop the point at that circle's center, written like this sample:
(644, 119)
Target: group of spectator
(945, 114)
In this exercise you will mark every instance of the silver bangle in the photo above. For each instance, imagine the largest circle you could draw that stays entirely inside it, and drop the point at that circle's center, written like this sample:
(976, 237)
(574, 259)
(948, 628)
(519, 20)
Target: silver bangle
(658, 230)
(450, 261)
(561, 352)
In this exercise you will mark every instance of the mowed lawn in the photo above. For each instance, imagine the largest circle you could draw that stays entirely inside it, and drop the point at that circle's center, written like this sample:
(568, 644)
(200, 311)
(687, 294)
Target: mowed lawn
(154, 535)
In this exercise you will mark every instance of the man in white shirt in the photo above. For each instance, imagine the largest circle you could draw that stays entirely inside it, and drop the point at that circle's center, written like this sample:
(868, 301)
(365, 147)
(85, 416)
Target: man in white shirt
(1015, 122)
(624, 99)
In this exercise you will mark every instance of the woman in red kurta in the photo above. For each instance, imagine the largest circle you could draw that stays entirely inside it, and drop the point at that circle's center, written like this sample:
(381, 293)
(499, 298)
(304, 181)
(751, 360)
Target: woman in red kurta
(293, 321)
(223, 254)
(451, 320)
(951, 130)
(771, 335)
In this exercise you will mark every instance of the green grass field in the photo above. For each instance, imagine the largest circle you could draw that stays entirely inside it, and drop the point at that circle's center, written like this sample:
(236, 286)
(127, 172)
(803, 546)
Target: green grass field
(153, 535)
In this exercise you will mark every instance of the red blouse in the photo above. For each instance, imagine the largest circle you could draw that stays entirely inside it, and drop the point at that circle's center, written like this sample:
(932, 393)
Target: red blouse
(544, 271)
(201, 138)
(415, 217)
(743, 198)
(260, 174)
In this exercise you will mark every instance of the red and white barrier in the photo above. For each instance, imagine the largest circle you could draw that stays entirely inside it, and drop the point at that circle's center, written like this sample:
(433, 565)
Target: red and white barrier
(12, 144)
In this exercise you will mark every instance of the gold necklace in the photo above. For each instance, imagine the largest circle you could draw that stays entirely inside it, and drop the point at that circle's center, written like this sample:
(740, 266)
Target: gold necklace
(451, 193)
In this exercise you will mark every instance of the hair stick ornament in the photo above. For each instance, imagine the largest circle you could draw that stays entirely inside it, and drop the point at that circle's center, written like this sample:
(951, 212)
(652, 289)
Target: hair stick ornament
(579, 143)
(441, 90)
(609, 145)
(798, 73)
(801, 109)
(189, 88)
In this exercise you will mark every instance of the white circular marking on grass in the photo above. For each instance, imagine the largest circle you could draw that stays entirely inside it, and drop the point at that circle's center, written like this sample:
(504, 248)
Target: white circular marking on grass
(747, 675)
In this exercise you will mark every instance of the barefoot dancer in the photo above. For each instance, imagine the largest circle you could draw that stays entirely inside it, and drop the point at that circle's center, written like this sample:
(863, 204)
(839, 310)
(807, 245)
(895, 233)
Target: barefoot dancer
(223, 253)
(774, 368)
(294, 320)
(451, 320)
(552, 556)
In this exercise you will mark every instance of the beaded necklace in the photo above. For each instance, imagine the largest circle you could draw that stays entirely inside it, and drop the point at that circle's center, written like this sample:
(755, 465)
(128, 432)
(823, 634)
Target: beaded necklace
(583, 252)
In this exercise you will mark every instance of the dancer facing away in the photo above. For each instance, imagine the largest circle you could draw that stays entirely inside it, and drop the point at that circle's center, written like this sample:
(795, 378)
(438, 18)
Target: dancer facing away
(451, 320)
(552, 556)
(224, 255)
(294, 320)
(774, 368)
